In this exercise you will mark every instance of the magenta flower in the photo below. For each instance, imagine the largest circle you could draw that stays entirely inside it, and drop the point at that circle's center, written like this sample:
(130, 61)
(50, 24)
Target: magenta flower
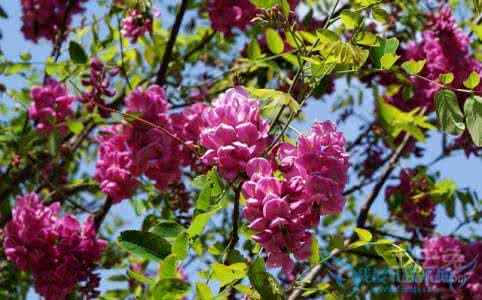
(58, 251)
(228, 14)
(281, 211)
(45, 18)
(51, 107)
(135, 25)
(234, 132)
(114, 167)
(154, 150)
(417, 210)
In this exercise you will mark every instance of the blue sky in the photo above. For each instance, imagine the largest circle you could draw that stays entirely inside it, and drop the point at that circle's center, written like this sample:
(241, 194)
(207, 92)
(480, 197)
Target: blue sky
(465, 172)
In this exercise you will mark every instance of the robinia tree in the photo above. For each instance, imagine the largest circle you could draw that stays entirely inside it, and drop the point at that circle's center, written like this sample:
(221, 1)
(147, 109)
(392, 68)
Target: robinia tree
(200, 118)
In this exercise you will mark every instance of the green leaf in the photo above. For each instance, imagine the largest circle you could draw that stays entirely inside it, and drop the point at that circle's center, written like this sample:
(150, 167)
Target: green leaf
(180, 247)
(228, 274)
(209, 188)
(366, 38)
(446, 78)
(75, 126)
(169, 289)
(413, 67)
(275, 97)
(145, 244)
(472, 81)
(254, 50)
(449, 115)
(167, 229)
(363, 234)
(203, 292)
(477, 29)
(168, 267)
(139, 277)
(395, 121)
(473, 118)
(380, 14)
(443, 190)
(77, 53)
(263, 282)
(25, 56)
(387, 46)
(199, 222)
(388, 59)
(264, 3)
(274, 40)
(315, 252)
(349, 19)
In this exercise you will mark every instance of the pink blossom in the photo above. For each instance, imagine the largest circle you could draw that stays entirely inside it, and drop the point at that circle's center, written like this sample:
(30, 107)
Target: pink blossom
(46, 18)
(416, 210)
(114, 167)
(281, 211)
(58, 251)
(444, 46)
(187, 125)
(153, 149)
(227, 14)
(99, 83)
(135, 25)
(50, 107)
(234, 132)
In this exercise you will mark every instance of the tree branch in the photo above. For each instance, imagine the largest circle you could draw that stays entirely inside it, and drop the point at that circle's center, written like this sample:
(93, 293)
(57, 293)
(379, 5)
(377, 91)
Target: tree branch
(234, 232)
(161, 75)
(102, 212)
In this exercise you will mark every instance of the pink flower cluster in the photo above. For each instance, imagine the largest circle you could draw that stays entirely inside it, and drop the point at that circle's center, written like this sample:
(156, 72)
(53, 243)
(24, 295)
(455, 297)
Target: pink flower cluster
(234, 132)
(227, 14)
(45, 18)
(281, 211)
(416, 209)
(58, 251)
(51, 107)
(138, 148)
(135, 25)
(99, 83)
(453, 255)
(115, 164)
(444, 46)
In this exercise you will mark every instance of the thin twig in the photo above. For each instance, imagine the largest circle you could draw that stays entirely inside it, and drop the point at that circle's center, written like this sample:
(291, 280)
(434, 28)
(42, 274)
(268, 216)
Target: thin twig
(161, 75)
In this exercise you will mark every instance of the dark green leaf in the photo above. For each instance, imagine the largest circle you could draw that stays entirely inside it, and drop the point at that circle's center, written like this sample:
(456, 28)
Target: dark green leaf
(473, 118)
(145, 244)
(167, 229)
(180, 245)
(449, 115)
(264, 283)
(77, 53)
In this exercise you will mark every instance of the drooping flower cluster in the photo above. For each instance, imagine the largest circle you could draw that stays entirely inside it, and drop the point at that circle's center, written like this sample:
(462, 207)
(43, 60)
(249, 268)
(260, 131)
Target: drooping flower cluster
(154, 150)
(114, 167)
(461, 260)
(149, 147)
(234, 132)
(136, 24)
(411, 203)
(228, 14)
(46, 18)
(50, 107)
(444, 46)
(58, 251)
(187, 125)
(281, 211)
(99, 83)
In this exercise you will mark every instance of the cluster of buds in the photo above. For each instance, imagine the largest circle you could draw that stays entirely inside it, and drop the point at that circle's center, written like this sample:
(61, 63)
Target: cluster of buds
(99, 82)
(275, 17)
